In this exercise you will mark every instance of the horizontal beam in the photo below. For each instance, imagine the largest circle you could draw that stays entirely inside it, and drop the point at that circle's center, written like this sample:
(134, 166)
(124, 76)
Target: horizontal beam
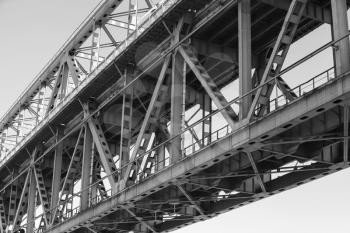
(204, 48)
(312, 11)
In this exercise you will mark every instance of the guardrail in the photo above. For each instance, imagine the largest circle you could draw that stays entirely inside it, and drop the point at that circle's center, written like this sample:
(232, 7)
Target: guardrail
(275, 104)
(304, 88)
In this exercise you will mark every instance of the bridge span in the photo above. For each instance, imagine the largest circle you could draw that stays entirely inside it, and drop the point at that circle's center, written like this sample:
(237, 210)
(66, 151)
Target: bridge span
(157, 114)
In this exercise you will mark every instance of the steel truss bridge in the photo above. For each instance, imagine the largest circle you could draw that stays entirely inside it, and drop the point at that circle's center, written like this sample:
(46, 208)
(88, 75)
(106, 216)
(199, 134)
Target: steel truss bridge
(127, 128)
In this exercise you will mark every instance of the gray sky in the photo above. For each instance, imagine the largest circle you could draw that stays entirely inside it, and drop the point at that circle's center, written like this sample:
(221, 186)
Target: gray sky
(33, 30)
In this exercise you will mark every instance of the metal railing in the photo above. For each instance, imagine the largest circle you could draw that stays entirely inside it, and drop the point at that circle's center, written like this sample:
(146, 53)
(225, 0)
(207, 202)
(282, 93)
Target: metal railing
(303, 88)
(275, 104)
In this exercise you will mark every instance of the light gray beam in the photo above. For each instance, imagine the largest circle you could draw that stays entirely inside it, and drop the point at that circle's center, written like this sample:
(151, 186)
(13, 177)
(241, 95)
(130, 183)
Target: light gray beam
(86, 168)
(42, 193)
(126, 119)
(31, 204)
(73, 69)
(245, 56)
(55, 90)
(149, 3)
(110, 36)
(177, 104)
(346, 132)
(3, 221)
(340, 28)
(95, 45)
(57, 169)
(209, 86)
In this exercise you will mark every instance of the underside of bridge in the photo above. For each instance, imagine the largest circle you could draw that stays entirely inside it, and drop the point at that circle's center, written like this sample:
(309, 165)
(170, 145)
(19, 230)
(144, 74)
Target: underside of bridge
(158, 114)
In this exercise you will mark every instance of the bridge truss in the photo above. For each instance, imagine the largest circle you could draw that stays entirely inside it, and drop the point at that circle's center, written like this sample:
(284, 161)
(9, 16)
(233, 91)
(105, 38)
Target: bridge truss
(128, 127)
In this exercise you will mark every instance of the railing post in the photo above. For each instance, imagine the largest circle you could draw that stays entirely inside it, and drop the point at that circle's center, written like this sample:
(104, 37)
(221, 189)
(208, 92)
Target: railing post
(245, 56)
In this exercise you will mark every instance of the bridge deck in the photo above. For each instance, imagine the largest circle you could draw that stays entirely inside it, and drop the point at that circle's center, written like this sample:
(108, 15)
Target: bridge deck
(225, 152)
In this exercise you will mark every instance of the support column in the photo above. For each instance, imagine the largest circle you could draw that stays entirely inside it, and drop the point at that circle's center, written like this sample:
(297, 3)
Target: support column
(126, 124)
(95, 49)
(86, 169)
(245, 55)
(57, 167)
(31, 204)
(340, 28)
(160, 161)
(177, 103)
(64, 81)
(346, 133)
(206, 126)
(93, 178)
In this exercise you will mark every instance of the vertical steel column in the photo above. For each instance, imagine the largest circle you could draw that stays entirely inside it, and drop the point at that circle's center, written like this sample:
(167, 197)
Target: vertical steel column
(178, 88)
(177, 99)
(245, 55)
(160, 161)
(136, 8)
(126, 124)
(12, 203)
(86, 169)
(2, 142)
(57, 167)
(346, 133)
(3, 222)
(131, 8)
(64, 81)
(95, 49)
(31, 204)
(19, 125)
(39, 106)
(93, 179)
(340, 28)
(206, 127)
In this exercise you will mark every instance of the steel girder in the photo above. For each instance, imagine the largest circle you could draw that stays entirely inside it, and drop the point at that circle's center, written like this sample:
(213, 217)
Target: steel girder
(252, 181)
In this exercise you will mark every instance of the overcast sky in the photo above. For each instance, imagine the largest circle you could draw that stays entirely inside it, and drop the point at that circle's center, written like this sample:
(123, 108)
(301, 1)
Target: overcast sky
(31, 31)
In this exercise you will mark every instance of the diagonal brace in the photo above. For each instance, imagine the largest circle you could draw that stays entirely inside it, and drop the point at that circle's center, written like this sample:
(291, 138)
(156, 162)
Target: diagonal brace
(189, 197)
(256, 171)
